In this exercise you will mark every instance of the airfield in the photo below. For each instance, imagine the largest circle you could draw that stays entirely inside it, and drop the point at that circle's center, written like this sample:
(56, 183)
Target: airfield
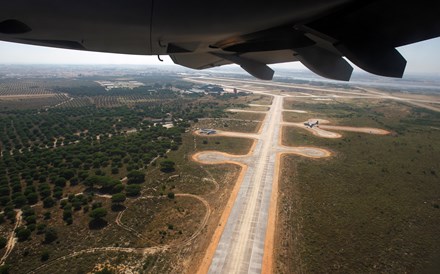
(282, 178)
(247, 237)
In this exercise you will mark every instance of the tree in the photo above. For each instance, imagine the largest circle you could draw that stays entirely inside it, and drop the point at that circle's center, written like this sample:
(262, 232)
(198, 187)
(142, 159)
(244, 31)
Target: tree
(105, 271)
(136, 177)
(58, 192)
(98, 213)
(105, 183)
(44, 190)
(115, 170)
(31, 219)
(167, 166)
(171, 195)
(32, 198)
(22, 234)
(41, 228)
(50, 235)
(48, 202)
(67, 173)
(133, 190)
(45, 255)
(4, 200)
(4, 269)
(60, 181)
(19, 201)
(74, 181)
(77, 203)
(118, 188)
(47, 215)
(118, 198)
(3, 242)
(67, 215)
(76, 163)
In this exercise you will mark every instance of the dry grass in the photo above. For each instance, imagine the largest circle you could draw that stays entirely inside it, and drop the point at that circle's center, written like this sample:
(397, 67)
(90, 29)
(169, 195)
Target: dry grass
(373, 207)
(230, 125)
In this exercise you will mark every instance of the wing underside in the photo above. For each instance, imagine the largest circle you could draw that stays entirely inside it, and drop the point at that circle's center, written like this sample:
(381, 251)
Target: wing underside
(319, 33)
(364, 32)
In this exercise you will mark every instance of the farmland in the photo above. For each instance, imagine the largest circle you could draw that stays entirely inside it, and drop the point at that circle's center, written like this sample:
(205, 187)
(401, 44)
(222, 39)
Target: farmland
(79, 162)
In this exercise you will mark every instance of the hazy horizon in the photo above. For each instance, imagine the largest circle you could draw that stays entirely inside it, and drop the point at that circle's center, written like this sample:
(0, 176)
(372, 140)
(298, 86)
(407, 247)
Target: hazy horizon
(423, 57)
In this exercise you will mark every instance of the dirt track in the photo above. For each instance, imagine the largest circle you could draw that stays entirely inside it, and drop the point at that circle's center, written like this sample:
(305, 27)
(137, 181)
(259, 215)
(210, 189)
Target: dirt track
(245, 110)
(294, 110)
(322, 130)
(11, 239)
(368, 130)
(229, 134)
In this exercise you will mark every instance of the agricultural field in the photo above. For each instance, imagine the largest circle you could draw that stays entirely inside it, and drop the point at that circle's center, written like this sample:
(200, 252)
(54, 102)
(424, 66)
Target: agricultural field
(28, 87)
(371, 207)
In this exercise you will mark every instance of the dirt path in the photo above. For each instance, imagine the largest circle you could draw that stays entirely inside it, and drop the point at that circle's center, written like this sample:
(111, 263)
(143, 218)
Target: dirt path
(322, 130)
(205, 218)
(245, 110)
(229, 134)
(11, 239)
(368, 130)
(129, 229)
(294, 110)
(258, 105)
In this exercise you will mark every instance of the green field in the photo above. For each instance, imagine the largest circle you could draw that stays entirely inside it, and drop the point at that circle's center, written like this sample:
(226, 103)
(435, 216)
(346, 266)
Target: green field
(371, 208)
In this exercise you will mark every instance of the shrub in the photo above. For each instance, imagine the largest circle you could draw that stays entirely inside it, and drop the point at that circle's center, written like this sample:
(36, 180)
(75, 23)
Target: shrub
(45, 256)
(167, 166)
(3, 242)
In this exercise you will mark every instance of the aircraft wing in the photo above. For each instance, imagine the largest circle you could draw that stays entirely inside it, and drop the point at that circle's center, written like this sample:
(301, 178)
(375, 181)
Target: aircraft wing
(200, 34)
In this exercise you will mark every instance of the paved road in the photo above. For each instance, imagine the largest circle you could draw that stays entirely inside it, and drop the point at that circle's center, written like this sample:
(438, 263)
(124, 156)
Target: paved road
(241, 246)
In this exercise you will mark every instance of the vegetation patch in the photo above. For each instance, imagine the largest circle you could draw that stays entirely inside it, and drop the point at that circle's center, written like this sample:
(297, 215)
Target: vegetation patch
(231, 145)
(164, 220)
(236, 125)
(372, 207)
(247, 116)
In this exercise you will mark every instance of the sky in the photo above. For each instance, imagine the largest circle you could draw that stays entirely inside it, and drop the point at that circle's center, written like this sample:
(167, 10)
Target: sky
(422, 57)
